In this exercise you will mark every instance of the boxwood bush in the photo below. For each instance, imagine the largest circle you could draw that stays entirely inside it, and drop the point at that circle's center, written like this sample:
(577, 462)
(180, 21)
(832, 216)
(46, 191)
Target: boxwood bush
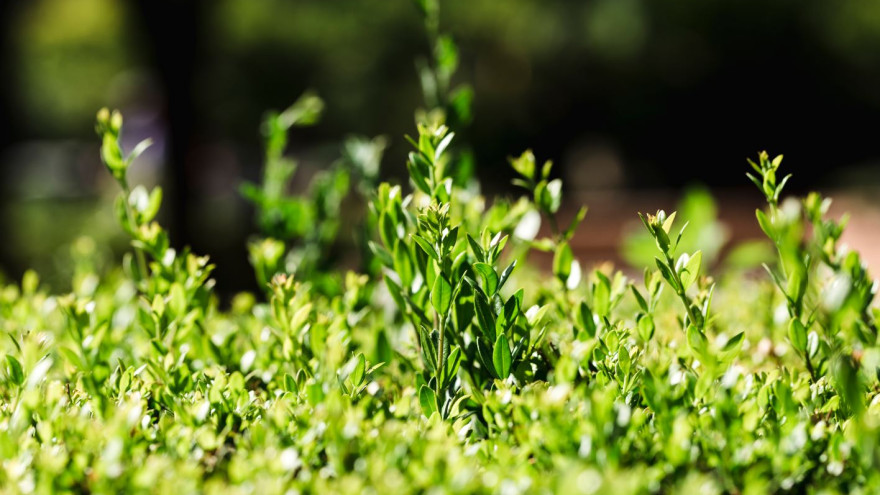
(445, 362)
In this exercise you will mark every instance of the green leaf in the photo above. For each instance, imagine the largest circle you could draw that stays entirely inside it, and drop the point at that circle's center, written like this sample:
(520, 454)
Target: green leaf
(506, 274)
(578, 218)
(428, 401)
(697, 341)
(388, 230)
(733, 344)
(429, 340)
(585, 319)
(781, 185)
(426, 246)
(518, 295)
(552, 196)
(775, 277)
(545, 169)
(541, 197)
(601, 294)
(537, 316)
(139, 149)
(305, 111)
(522, 183)
(453, 362)
(72, 357)
(646, 327)
(441, 295)
(848, 383)
(485, 316)
(16, 375)
(489, 276)
(667, 224)
(419, 171)
(442, 145)
(448, 242)
(797, 334)
(497, 244)
(524, 164)
(395, 290)
(486, 357)
(112, 156)
(797, 278)
(508, 315)
(667, 274)
(639, 299)
(624, 359)
(402, 264)
(562, 261)
(460, 102)
(501, 356)
(357, 374)
(765, 224)
(153, 205)
(381, 253)
(476, 248)
(177, 299)
(290, 384)
(754, 179)
(691, 270)
(519, 348)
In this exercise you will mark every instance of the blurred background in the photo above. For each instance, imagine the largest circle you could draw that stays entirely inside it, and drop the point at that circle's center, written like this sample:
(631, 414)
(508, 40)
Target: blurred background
(636, 101)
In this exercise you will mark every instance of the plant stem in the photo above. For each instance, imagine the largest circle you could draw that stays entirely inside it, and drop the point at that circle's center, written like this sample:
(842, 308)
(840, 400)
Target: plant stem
(141, 259)
(810, 368)
(554, 226)
(441, 364)
(681, 293)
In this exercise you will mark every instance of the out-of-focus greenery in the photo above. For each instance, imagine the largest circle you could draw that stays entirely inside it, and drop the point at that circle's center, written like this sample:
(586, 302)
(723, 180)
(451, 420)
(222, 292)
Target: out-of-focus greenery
(454, 367)
(68, 52)
(554, 73)
(300, 231)
(68, 55)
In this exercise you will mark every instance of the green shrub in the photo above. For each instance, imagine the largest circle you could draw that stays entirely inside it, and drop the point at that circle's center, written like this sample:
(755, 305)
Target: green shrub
(449, 364)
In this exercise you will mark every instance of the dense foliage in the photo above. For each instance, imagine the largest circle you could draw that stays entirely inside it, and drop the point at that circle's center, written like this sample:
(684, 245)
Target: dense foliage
(444, 362)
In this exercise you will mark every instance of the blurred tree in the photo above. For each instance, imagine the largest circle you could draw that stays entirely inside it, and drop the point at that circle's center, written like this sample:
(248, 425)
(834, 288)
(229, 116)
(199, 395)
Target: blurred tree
(658, 85)
(174, 30)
